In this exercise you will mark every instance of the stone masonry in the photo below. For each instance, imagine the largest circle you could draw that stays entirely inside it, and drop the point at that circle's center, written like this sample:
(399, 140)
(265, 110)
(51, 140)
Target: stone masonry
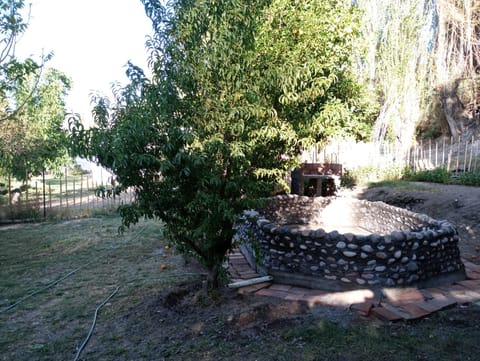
(336, 244)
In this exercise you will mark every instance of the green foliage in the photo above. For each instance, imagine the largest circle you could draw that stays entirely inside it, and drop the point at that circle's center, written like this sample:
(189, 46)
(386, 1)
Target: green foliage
(305, 55)
(76, 170)
(348, 179)
(13, 72)
(437, 175)
(469, 179)
(33, 139)
(367, 174)
(235, 94)
(11, 21)
(31, 104)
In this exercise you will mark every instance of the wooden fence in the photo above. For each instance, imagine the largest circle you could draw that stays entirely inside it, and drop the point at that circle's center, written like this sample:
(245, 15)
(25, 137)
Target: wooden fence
(455, 155)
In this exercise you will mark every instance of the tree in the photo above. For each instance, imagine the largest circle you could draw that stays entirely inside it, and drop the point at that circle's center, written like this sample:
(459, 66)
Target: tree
(34, 139)
(307, 48)
(32, 106)
(14, 72)
(422, 63)
(223, 118)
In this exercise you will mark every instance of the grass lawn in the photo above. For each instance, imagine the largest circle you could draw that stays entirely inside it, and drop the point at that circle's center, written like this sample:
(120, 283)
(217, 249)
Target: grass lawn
(153, 318)
(50, 325)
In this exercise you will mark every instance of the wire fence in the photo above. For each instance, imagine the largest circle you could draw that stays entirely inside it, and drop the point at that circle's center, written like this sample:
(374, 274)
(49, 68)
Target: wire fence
(68, 195)
(58, 197)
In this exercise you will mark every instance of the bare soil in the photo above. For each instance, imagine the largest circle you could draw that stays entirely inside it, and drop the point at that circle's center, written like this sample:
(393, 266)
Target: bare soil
(458, 204)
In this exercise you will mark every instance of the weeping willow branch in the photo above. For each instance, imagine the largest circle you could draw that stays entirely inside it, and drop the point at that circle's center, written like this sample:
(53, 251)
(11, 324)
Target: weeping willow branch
(398, 61)
(421, 53)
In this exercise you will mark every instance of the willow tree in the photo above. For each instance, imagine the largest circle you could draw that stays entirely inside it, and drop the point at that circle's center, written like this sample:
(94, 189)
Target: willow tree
(400, 37)
(422, 63)
(457, 60)
(238, 87)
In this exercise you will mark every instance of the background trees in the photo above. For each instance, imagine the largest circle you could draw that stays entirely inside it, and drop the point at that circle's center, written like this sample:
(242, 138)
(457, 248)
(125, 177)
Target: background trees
(32, 104)
(34, 138)
(238, 89)
(422, 65)
(13, 72)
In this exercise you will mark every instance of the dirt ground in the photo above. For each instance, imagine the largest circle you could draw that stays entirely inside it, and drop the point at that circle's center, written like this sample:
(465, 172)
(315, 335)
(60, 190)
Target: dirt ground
(458, 204)
(179, 323)
(162, 313)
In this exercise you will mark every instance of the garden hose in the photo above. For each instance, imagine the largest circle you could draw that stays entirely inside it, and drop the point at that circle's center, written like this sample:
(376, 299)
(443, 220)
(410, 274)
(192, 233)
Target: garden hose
(51, 284)
(84, 343)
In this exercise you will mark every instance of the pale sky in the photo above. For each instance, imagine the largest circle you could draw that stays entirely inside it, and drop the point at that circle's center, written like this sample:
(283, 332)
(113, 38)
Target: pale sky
(92, 40)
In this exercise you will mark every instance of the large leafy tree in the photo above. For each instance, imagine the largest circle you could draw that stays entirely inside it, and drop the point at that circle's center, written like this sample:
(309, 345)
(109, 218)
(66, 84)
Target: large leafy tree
(306, 49)
(235, 94)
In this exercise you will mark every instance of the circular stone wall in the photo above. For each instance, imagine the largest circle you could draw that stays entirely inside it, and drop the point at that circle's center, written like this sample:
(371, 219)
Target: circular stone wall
(339, 243)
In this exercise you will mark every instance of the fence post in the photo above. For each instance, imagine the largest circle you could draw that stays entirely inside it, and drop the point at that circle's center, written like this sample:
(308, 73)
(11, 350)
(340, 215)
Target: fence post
(10, 191)
(443, 153)
(408, 158)
(471, 155)
(37, 203)
(458, 156)
(66, 187)
(44, 196)
(81, 189)
(88, 193)
(415, 157)
(430, 151)
(61, 191)
(74, 191)
(421, 156)
(476, 156)
(24, 205)
(450, 154)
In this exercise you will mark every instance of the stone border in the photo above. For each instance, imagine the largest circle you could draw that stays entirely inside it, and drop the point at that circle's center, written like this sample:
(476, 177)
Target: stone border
(402, 248)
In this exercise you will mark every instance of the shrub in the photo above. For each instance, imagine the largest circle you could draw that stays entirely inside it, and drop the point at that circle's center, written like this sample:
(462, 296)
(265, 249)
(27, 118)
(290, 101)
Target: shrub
(437, 175)
(368, 174)
(469, 179)
(348, 179)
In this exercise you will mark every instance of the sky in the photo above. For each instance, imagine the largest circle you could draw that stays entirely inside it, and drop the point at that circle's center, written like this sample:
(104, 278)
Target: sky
(92, 41)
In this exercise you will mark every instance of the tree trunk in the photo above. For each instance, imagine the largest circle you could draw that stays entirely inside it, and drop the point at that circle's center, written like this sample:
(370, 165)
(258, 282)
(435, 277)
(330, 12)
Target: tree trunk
(213, 278)
(450, 119)
(452, 108)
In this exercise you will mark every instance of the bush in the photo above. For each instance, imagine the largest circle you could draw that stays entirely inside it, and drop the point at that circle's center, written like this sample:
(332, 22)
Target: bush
(348, 179)
(437, 175)
(469, 179)
(368, 174)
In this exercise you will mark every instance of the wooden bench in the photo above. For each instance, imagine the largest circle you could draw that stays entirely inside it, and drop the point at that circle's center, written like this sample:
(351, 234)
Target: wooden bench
(316, 174)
